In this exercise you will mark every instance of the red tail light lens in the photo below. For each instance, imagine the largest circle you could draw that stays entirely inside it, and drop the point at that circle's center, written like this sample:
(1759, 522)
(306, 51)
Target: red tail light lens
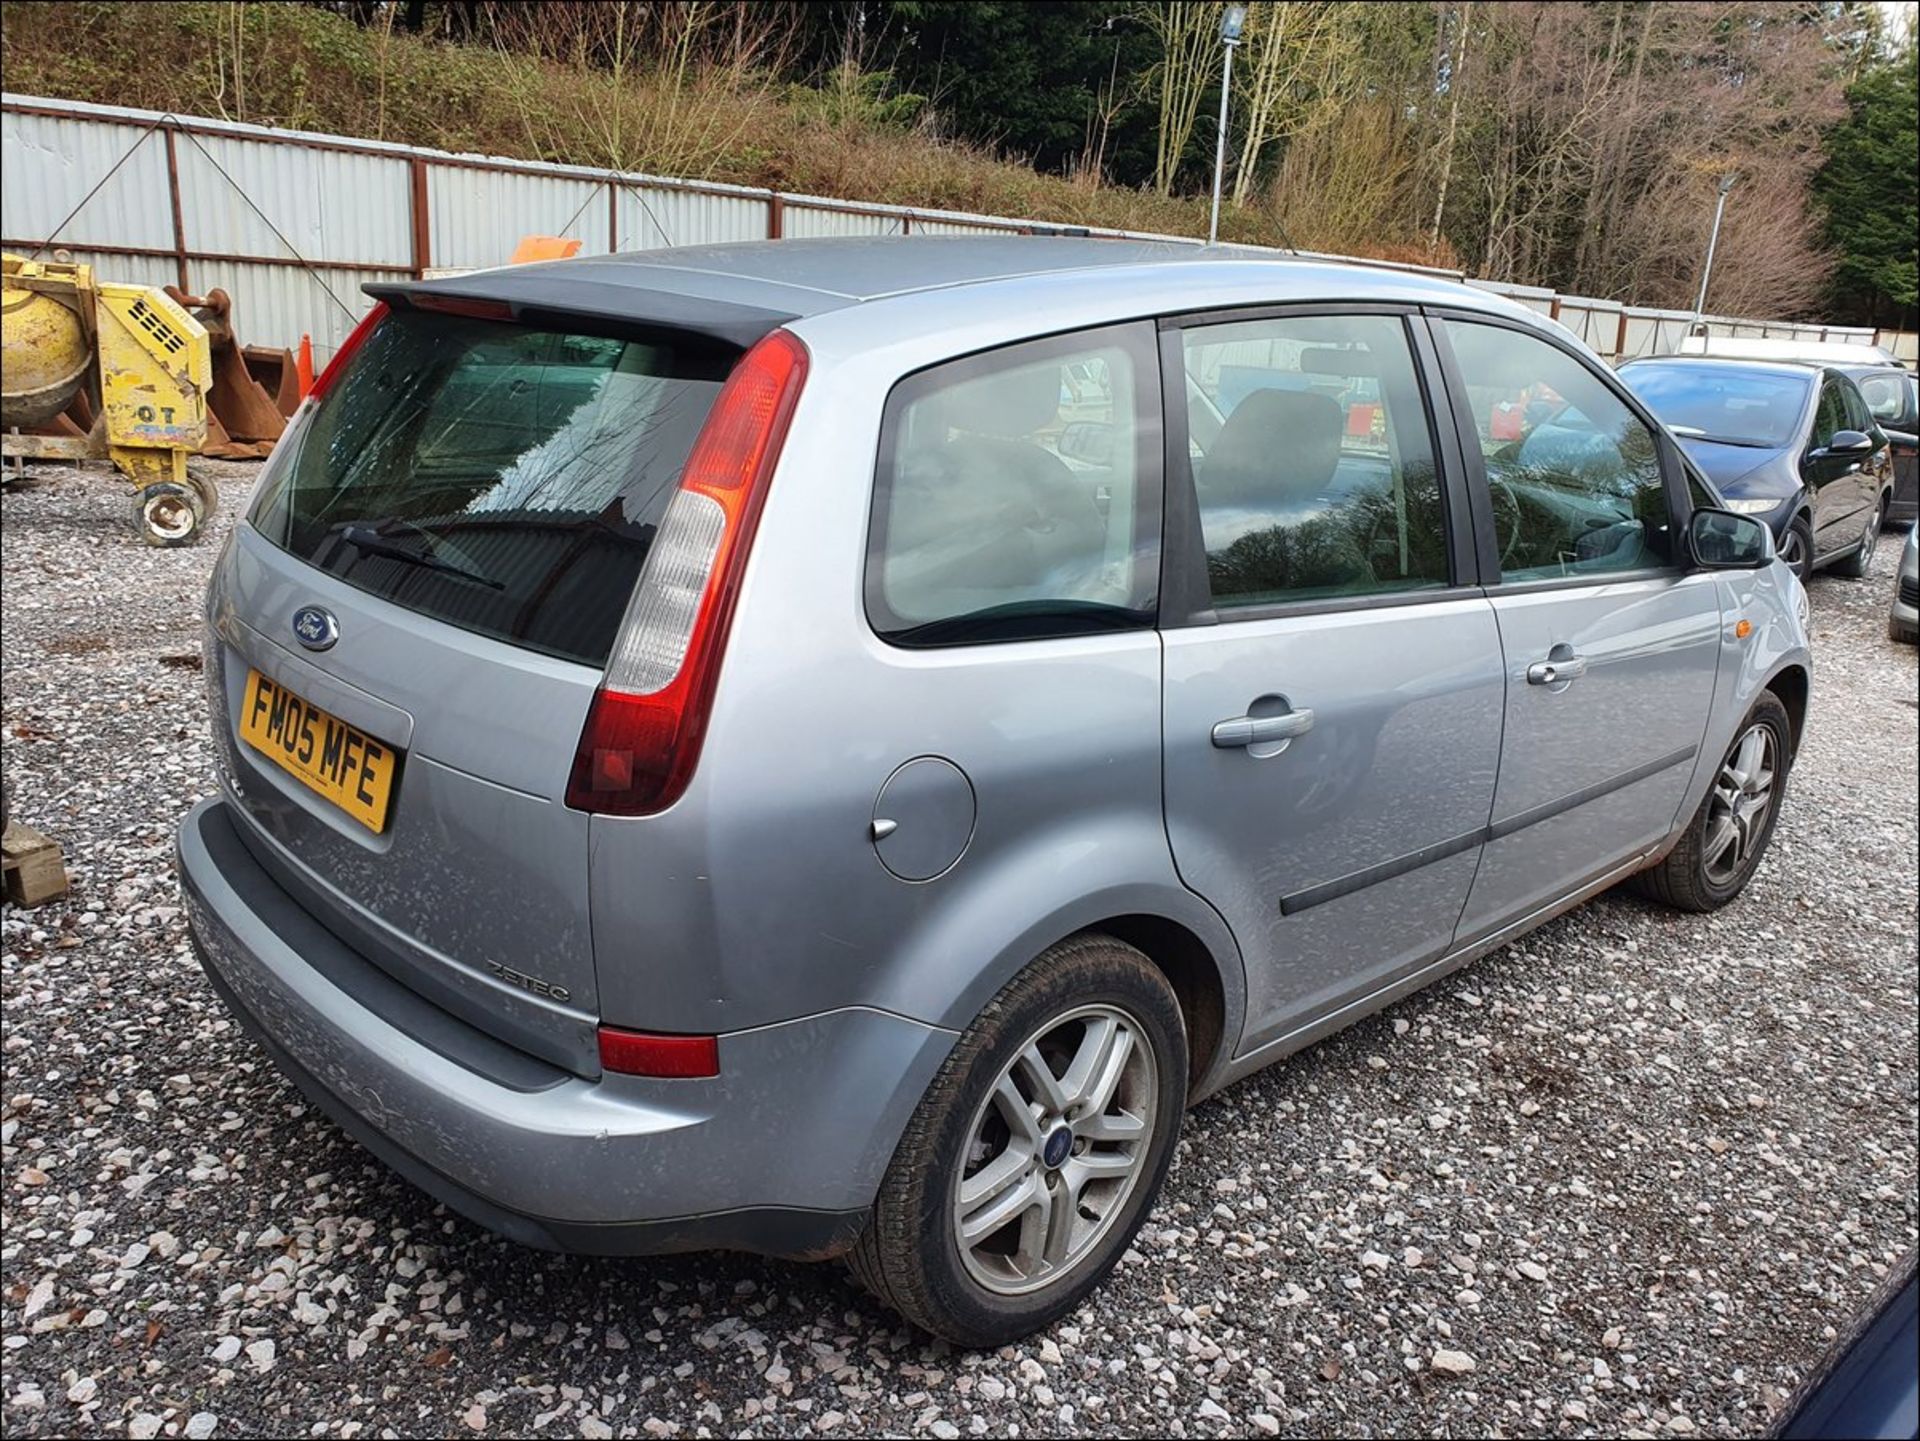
(642, 737)
(673, 1058)
(353, 342)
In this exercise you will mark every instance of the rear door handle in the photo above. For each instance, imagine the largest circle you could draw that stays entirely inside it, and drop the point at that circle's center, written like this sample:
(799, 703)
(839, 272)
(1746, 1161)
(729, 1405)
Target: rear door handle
(1553, 672)
(1250, 730)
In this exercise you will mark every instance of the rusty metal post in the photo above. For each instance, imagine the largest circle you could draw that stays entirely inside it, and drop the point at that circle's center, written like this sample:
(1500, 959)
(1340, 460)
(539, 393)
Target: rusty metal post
(179, 226)
(776, 216)
(613, 218)
(422, 225)
(1620, 338)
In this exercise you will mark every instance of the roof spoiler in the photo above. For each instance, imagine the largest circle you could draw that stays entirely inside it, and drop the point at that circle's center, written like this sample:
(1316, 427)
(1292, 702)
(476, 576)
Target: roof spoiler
(550, 294)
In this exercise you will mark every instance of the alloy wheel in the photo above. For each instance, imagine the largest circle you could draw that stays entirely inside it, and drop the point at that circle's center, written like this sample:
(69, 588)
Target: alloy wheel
(1055, 1150)
(1742, 799)
(1790, 550)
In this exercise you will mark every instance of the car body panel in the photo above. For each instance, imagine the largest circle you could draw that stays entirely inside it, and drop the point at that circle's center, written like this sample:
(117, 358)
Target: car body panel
(1313, 851)
(480, 862)
(1903, 620)
(1589, 768)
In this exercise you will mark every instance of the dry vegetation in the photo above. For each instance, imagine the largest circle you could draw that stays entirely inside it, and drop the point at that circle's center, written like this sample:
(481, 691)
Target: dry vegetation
(690, 91)
(1568, 145)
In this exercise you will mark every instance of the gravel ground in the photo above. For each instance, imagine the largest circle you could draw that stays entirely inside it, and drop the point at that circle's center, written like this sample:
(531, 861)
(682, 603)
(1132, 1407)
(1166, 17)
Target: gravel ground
(1627, 1175)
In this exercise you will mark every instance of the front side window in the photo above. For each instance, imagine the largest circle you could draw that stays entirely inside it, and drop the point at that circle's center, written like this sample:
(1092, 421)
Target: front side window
(1832, 415)
(1018, 494)
(1573, 474)
(1312, 462)
(1858, 417)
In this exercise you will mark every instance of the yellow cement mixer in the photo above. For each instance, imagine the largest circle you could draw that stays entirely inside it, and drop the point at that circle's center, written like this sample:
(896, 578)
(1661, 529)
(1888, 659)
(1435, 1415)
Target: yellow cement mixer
(95, 369)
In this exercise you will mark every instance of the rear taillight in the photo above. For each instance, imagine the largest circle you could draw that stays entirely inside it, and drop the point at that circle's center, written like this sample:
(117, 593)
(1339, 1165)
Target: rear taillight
(642, 737)
(352, 343)
(673, 1058)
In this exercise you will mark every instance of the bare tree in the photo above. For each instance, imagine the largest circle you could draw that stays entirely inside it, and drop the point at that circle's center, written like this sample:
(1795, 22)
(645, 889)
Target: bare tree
(1456, 77)
(1297, 64)
(1185, 30)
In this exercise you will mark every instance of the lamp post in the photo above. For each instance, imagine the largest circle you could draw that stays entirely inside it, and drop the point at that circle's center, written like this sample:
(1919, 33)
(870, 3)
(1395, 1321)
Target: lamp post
(1713, 240)
(1231, 24)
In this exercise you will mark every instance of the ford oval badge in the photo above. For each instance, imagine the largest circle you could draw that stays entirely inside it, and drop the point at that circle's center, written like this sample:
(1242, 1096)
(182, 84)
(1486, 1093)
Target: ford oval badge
(314, 628)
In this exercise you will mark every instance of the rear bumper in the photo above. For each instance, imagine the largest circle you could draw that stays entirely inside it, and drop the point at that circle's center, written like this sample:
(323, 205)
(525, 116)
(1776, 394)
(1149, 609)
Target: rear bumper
(780, 1154)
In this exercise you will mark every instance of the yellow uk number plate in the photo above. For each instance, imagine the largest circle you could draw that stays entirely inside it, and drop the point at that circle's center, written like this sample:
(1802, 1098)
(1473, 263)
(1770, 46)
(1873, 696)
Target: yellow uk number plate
(346, 765)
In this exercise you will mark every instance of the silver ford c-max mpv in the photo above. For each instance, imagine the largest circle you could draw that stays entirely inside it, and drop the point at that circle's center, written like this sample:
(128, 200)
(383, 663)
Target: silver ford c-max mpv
(827, 748)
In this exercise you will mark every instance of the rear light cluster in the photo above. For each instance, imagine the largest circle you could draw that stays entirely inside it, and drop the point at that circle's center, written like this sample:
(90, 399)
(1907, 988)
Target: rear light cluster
(642, 738)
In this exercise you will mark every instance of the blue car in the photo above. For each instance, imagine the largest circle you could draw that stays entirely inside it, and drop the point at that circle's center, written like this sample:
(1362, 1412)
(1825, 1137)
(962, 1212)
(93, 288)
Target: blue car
(1793, 445)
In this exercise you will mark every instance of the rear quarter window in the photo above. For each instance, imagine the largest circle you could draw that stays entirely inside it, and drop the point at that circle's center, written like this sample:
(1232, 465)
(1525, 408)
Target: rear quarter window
(1018, 494)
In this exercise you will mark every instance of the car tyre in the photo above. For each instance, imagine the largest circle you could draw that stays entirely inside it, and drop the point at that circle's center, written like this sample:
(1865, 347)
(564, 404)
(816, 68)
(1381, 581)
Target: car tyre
(1071, 1004)
(1796, 548)
(1709, 866)
(1902, 633)
(1858, 563)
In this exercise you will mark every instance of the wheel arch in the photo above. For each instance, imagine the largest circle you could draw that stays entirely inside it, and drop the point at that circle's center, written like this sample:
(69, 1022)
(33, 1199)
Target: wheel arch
(1195, 975)
(1792, 685)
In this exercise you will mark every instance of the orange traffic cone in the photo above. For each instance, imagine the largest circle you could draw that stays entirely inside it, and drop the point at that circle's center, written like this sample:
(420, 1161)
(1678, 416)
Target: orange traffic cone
(303, 365)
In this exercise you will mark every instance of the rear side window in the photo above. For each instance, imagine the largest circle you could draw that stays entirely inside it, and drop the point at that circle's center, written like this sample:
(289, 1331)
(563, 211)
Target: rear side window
(1018, 494)
(503, 479)
(1888, 395)
(1311, 460)
(1574, 475)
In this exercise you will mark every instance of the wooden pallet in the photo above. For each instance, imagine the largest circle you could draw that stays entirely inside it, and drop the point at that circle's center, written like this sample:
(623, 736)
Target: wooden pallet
(34, 870)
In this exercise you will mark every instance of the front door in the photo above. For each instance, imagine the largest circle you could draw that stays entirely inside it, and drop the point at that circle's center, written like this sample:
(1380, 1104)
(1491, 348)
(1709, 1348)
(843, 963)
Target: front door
(1838, 495)
(1332, 697)
(1611, 646)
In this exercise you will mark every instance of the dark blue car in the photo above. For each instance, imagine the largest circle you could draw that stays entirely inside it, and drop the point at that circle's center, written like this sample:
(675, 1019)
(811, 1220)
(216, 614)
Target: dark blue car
(1794, 445)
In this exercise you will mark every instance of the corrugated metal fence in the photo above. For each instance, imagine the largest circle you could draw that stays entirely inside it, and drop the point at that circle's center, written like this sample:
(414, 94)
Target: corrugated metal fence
(292, 224)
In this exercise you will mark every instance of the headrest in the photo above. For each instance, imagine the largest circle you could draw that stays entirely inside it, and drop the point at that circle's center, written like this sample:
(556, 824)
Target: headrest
(1565, 451)
(1276, 443)
(1008, 403)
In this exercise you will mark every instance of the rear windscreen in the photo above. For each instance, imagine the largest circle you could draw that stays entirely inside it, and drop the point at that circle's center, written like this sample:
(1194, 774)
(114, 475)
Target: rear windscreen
(503, 479)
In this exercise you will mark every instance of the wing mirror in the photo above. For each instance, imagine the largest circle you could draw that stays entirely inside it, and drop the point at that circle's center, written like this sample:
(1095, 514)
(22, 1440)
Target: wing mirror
(1721, 540)
(1849, 442)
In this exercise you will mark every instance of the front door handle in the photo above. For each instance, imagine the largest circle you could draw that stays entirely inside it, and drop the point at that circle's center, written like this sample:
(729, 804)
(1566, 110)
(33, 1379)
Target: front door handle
(1249, 730)
(1554, 672)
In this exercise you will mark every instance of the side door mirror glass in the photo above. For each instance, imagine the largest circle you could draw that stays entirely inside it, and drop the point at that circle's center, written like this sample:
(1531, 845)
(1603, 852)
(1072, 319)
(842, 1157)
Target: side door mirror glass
(1721, 540)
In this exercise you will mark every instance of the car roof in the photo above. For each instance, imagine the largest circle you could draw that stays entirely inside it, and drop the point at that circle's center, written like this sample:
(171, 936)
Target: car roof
(740, 291)
(1777, 347)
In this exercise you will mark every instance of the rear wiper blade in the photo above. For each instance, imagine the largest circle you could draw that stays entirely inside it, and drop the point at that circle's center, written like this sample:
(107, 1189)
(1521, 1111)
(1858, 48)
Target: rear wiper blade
(372, 542)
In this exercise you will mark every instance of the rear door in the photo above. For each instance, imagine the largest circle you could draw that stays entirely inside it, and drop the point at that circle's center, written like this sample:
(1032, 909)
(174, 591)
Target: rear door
(1875, 473)
(431, 576)
(1611, 646)
(1333, 679)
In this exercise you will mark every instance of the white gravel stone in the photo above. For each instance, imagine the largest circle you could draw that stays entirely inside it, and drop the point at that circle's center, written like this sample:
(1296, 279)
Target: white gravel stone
(1578, 1101)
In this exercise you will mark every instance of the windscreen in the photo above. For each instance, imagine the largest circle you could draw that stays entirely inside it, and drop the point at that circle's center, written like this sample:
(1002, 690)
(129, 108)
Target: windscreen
(1727, 403)
(503, 479)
